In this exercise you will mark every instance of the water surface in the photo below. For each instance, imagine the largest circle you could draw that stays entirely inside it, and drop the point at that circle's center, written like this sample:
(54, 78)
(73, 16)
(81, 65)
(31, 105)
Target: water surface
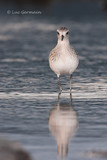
(29, 90)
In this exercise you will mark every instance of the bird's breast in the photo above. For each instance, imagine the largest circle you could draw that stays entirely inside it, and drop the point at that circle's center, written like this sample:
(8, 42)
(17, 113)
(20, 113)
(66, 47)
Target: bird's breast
(64, 61)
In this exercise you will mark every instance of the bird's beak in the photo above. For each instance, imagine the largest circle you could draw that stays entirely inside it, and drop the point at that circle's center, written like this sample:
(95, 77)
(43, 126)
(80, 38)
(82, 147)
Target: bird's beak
(62, 37)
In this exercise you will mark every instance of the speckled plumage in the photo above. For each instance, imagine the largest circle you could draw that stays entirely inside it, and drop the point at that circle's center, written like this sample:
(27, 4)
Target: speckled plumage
(63, 59)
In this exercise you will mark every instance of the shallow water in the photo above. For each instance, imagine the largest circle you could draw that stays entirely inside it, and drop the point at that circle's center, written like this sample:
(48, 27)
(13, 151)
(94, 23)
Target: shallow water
(29, 90)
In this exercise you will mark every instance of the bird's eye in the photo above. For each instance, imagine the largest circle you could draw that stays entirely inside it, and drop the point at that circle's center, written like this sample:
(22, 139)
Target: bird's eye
(58, 33)
(67, 33)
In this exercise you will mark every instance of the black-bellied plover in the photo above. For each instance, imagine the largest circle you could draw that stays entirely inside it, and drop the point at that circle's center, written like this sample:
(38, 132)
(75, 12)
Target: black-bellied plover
(63, 59)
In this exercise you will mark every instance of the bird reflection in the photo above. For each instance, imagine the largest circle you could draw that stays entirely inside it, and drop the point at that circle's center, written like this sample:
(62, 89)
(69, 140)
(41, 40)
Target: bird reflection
(63, 123)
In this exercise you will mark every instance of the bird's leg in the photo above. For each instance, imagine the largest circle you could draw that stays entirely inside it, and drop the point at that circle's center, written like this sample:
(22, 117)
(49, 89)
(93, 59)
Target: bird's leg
(60, 88)
(70, 84)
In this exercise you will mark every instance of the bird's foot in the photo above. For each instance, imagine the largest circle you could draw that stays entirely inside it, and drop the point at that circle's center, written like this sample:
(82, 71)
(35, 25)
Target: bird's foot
(59, 94)
(70, 93)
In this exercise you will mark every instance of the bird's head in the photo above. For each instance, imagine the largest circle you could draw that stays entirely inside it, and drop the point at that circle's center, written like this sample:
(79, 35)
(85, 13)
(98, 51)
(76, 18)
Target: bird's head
(63, 34)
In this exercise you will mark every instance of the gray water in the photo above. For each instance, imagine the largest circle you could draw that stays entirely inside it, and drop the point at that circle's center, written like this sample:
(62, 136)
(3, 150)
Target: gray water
(29, 90)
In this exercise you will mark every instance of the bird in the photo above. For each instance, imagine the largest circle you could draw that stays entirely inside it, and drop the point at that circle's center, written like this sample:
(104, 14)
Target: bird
(63, 59)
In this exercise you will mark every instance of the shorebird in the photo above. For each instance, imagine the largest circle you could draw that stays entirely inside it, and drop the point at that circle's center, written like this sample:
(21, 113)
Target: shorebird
(63, 59)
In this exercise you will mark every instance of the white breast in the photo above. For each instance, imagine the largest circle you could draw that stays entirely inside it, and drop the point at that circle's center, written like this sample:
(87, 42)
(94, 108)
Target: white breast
(66, 62)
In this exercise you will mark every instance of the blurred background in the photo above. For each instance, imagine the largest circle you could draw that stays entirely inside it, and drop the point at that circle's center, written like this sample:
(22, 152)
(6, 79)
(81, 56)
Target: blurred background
(29, 90)
(47, 3)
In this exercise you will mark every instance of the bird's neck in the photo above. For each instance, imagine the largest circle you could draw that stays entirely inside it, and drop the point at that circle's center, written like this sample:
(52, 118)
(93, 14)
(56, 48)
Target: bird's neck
(64, 43)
